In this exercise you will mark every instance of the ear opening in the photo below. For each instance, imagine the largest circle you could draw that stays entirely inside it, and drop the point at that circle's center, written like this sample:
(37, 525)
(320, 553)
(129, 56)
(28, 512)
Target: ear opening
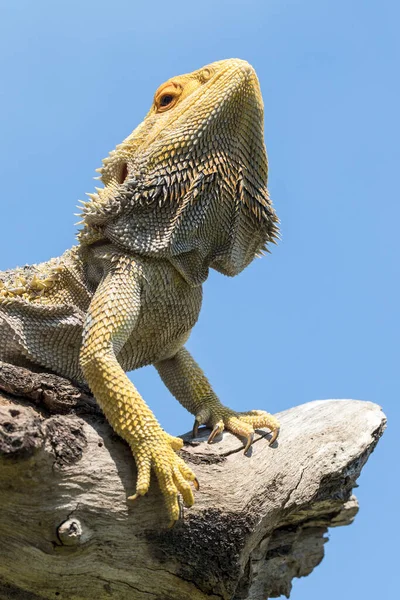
(123, 173)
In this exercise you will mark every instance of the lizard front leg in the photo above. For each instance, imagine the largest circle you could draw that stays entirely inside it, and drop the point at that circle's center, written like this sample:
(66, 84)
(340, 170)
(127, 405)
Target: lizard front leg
(187, 382)
(110, 320)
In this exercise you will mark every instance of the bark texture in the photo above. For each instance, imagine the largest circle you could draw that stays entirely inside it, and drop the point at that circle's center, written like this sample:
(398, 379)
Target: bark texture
(67, 531)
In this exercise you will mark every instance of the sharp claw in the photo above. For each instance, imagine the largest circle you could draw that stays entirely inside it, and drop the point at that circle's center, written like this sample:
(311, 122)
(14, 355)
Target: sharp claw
(172, 523)
(214, 432)
(196, 484)
(134, 497)
(195, 429)
(249, 442)
(275, 434)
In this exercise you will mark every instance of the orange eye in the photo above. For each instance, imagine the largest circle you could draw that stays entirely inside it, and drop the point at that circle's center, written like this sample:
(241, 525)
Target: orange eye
(167, 96)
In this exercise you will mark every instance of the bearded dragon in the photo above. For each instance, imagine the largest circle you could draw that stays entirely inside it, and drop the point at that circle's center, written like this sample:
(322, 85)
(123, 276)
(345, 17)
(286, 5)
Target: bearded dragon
(185, 192)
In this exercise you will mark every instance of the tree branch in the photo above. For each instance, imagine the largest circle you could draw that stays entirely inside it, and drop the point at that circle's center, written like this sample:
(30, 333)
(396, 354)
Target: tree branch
(69, 533)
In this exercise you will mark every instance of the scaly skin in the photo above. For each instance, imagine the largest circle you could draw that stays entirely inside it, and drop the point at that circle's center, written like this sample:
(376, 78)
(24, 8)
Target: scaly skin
(186, 191)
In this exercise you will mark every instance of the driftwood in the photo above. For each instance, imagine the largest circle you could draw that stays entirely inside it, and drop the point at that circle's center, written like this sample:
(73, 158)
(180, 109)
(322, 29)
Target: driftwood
(67, 531)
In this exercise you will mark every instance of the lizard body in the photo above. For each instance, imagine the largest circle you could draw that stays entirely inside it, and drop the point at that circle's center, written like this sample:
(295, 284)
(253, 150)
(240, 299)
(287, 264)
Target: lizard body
(185, 192)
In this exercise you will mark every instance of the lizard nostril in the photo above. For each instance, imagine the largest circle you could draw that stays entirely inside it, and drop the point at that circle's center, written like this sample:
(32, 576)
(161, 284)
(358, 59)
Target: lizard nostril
(123, 173)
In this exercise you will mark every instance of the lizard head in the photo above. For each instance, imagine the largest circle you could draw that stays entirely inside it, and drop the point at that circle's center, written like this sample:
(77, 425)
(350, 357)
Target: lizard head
(190, 182)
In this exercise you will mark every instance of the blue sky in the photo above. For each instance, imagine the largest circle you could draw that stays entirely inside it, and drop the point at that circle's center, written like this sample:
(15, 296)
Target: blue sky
(318, 318)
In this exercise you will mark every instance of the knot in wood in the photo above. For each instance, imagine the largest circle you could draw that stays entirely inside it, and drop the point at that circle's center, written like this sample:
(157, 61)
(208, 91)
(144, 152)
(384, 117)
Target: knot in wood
(70, 532)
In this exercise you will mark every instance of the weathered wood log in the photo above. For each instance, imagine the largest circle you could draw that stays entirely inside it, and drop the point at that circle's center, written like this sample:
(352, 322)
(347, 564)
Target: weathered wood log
(67, 531)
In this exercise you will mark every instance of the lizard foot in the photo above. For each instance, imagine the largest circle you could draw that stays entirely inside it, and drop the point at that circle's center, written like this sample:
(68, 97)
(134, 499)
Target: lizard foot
(174, 476)
(242, 424)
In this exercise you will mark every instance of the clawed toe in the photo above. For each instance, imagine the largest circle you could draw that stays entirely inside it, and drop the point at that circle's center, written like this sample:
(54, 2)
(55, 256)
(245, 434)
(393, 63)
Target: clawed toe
(218, 428)
(275, 433)
(134, 497)
(250, 440)
(240, 424)
(195, 430)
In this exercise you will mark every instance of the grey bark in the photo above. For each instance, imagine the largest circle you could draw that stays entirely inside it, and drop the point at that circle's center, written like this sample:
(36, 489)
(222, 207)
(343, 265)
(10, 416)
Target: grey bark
(67, 531)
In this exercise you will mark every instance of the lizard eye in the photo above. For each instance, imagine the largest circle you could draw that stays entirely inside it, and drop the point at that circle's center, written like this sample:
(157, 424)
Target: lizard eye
(166, 99)
(167, 96)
